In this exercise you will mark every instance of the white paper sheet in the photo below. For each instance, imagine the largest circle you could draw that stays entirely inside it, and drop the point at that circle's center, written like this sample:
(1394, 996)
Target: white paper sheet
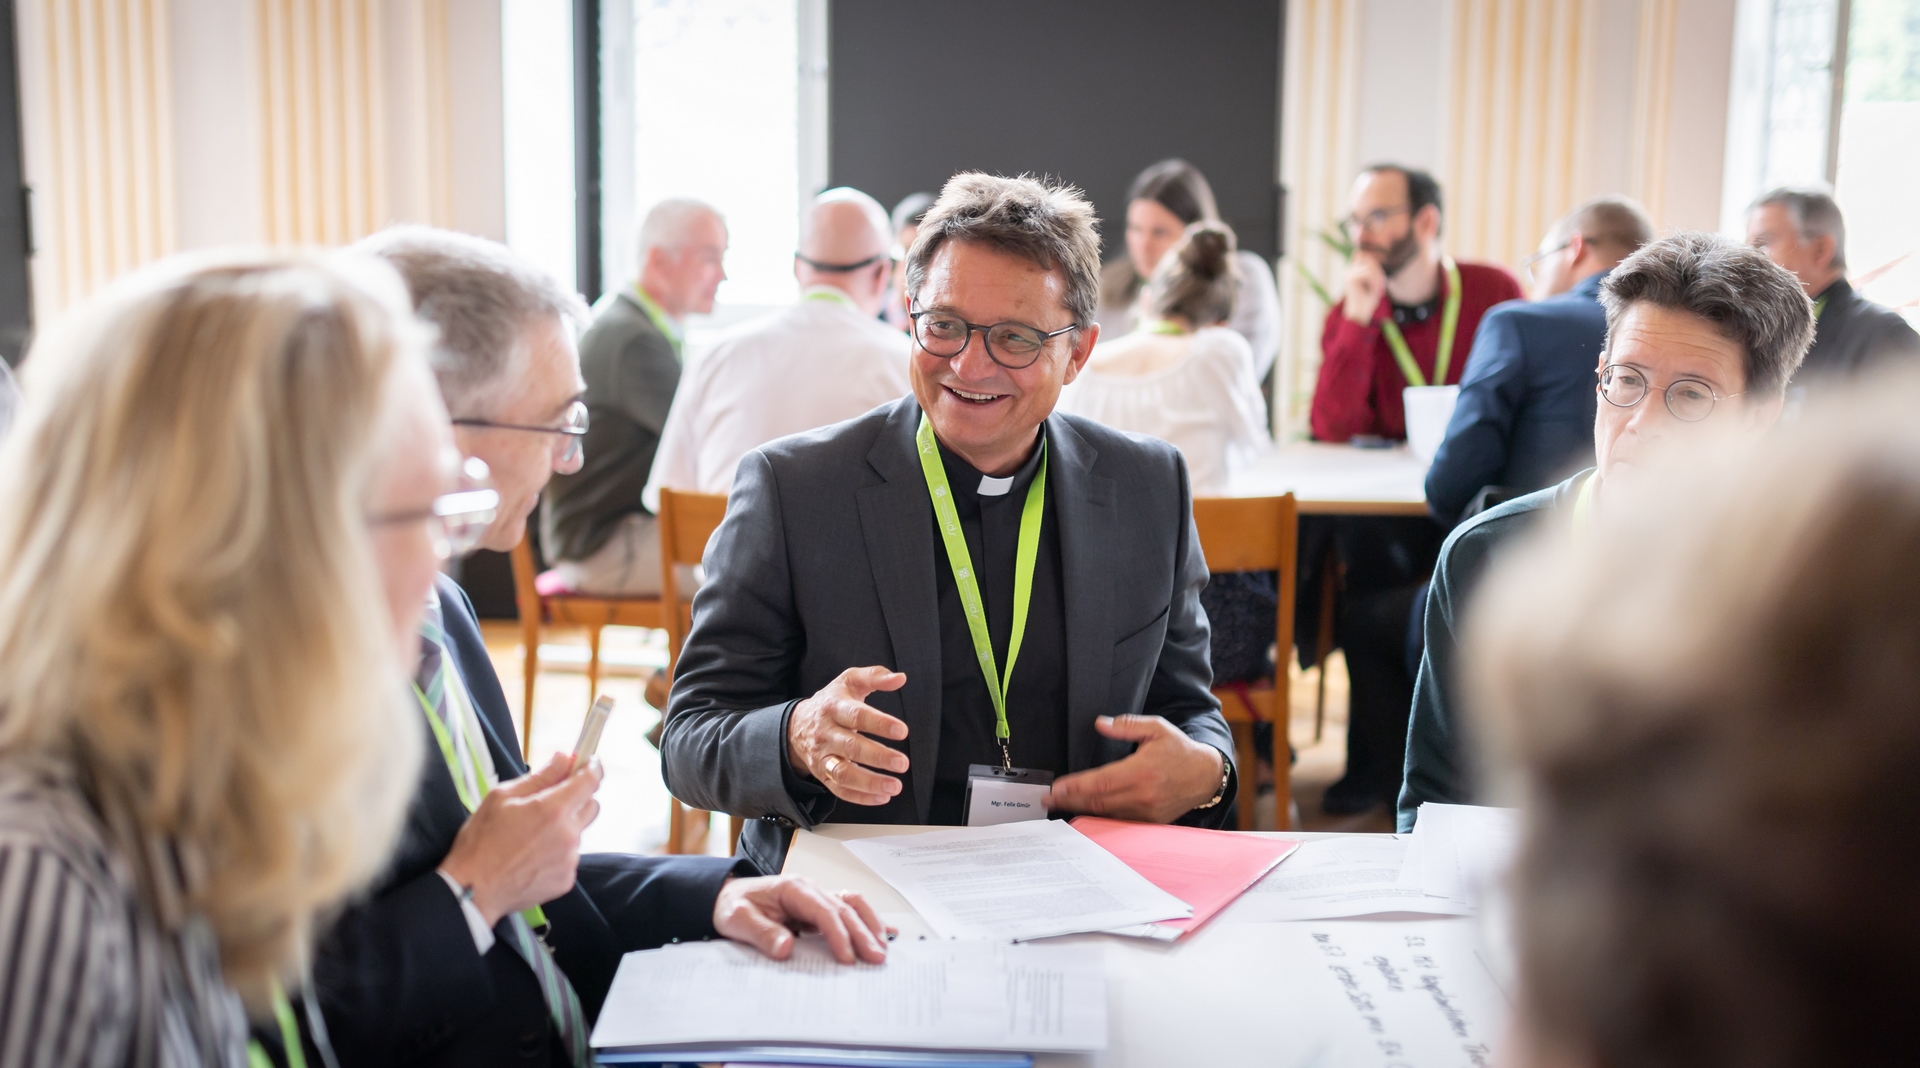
(1460, 852)
(928, 995)
(1016, 881)
(1408, 995)
(1335, 877)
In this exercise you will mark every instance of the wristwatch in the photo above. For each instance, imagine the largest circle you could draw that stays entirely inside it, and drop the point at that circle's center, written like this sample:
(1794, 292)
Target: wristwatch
(1226, 775)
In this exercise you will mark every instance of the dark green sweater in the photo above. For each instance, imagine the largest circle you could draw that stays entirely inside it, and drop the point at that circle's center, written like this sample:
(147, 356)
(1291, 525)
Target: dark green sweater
(1439, 750)
(631, 373)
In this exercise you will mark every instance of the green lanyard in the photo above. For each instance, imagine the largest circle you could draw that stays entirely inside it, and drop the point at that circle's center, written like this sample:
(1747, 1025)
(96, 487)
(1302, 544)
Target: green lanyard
(1818, 307)
(289, 1036)
(969, 585)
(1165, 328)
(1449, 319)
(535, 915)
(830, 295)
(661, 321)
(1583, 503)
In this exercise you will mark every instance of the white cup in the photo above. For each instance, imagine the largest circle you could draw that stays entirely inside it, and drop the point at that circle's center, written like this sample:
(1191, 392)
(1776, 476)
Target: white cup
(1429, 409)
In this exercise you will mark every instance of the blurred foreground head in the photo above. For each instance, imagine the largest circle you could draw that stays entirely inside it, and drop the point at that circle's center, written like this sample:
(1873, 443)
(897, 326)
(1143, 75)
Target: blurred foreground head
(1711, 699)
(192, 618)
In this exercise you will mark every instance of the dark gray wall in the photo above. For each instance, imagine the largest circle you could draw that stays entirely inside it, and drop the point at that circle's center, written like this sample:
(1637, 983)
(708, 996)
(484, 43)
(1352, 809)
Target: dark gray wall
(1090, 91)
(16, 301)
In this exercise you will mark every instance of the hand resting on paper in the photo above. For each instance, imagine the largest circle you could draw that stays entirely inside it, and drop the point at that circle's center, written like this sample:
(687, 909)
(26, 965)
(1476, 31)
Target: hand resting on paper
(826, 737)
(521, 847)
(1159, 782)
(764, 913)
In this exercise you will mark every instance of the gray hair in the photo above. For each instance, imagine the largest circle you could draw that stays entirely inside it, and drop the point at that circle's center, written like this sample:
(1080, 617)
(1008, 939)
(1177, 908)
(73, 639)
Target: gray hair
(1613, 224)
(1050, 224)
(667, 223)
(482, 298)
(1814, 214)
(1752, 302)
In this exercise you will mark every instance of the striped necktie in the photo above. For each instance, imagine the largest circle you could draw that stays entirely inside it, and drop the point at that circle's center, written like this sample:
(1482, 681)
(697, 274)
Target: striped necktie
(433, 682)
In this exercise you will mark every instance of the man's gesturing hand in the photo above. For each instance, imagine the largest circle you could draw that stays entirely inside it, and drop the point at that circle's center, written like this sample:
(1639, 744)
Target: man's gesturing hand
(825, 737)
(764, 913)
(1167, 776)
(1366, 281)
(522, 845)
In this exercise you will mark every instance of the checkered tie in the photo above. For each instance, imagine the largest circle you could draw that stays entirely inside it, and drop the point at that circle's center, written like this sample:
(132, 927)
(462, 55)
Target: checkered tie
(433, 680)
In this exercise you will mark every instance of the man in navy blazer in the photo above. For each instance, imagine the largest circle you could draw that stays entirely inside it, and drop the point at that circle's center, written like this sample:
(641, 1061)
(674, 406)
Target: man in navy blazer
(432, 968)
(1525, 415)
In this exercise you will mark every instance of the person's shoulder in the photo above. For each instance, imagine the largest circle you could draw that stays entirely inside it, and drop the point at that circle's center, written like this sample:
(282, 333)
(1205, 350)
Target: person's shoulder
(1879, 319)
(814, 451)
(1119, 451)
(1253, 266)
(45, 816)
(1495, 525)
(1489, 277)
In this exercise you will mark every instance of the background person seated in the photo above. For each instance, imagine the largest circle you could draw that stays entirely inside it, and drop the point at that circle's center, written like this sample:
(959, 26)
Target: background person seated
(832, 671)
(1182, 376)
(1524, 419)
(906, 227)
(1163, 201)
(825, 359)
(594, 528)
(1703, 336)
(1716, 745)
(213, 552)
(442, 964)
(1803, 231)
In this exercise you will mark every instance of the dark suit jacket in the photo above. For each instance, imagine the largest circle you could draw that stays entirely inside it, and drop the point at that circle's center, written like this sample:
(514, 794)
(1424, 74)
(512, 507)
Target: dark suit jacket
(826, 561)
(1525, 415)
(398, 979)
(631, 371)
(1439, 763)
(1854, 335)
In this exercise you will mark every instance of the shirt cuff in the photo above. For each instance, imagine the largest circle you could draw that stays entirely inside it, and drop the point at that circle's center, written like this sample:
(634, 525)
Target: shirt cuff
(476, 923)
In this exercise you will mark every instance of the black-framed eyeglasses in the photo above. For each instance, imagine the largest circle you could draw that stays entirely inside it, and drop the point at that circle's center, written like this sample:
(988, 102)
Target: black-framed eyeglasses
(1689, 399)
(1372, 220)
(1011, 345)
(573, 425)
(459, 520)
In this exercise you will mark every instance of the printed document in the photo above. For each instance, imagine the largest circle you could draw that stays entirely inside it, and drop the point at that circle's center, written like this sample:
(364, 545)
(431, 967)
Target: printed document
(1015, 881)
(928, 995)
(1334, 877)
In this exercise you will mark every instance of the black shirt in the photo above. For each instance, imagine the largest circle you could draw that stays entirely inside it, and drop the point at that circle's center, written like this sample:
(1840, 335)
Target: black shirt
(1037, 697)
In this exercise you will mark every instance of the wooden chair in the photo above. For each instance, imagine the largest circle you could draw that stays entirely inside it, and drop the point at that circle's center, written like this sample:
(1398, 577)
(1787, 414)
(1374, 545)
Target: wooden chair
(1257, 534)
(687, 521)
(543, 600)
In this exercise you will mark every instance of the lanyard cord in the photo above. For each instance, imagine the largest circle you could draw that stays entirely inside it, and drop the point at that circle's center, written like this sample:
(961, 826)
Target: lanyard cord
(535, 915)
(1443, 354)
(968, 583)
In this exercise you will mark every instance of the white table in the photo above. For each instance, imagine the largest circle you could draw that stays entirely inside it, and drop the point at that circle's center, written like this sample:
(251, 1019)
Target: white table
(1330, 479)
(1217, 999)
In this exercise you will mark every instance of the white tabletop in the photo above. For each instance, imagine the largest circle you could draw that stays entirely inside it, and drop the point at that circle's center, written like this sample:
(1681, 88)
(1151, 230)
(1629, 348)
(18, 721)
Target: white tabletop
(1216, 999)
(1330, 479)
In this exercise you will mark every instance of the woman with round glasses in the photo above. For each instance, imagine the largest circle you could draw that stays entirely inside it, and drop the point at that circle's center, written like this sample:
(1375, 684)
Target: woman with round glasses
(219, 519)
(1703, 335)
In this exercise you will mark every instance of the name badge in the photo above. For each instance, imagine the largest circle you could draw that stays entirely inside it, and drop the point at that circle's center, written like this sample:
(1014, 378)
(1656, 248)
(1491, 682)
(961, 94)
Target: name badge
(1005, 795)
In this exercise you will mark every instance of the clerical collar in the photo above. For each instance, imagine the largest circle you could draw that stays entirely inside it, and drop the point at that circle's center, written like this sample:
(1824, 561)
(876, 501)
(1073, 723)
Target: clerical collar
(962, 473)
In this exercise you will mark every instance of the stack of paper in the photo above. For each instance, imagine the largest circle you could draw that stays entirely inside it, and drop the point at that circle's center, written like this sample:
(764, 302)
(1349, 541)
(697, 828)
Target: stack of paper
(1459, 852)
(1206, 869)
(715, 1001)
(1335, 877)
(1015, 881)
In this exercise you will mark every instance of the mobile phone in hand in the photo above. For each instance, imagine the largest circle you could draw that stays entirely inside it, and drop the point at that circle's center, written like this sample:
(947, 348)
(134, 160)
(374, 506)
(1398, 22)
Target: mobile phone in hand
(583, 749)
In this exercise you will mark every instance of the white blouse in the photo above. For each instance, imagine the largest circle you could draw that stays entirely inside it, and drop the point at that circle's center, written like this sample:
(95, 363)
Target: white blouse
(1207, 405)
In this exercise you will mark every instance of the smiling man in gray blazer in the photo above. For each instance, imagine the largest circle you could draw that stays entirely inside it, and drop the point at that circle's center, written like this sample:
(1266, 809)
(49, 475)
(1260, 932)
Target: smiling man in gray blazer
(833, 673)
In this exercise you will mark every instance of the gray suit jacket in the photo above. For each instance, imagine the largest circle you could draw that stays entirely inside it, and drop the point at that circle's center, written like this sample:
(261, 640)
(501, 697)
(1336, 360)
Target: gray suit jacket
(826, 561)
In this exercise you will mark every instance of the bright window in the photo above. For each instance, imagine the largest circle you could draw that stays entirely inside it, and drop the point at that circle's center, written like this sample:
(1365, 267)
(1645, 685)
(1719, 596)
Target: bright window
(1880, 152)
(537, 84)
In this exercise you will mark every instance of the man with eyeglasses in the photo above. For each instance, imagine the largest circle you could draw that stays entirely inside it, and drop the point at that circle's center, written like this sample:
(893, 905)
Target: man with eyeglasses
(825, 358)
(1524, 419)
(593, 524)
(964, 597)
(492, 940)
(1703, 335)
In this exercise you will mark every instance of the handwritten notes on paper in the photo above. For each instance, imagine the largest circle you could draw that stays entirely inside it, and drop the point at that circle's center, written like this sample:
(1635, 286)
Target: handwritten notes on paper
(1416, 995)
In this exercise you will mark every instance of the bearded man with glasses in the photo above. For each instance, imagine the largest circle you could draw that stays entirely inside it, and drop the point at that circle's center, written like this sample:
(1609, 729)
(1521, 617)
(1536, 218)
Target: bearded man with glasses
(964, 591)
(1703, 335)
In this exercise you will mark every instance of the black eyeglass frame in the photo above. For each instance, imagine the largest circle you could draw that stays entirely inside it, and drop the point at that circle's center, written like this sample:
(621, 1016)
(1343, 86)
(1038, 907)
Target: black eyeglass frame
(1666, 391)
(986, 338)
(574, 431)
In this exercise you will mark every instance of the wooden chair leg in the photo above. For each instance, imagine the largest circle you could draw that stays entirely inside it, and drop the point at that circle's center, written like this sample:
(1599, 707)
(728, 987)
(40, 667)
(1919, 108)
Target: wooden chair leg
(699, 825)
(734, 824)
(1249, 784)
(530, 638)
(676, 825)
(593, 662)
(1282, 774)
(1323, 641)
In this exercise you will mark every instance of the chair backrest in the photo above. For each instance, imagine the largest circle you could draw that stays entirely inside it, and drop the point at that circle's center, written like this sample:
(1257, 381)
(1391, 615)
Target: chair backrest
(687, 521)
(526, 596)
(1254, 534)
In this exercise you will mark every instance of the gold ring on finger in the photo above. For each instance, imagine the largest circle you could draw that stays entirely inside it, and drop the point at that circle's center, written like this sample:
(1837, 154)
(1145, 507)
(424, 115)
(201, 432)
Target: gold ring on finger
(832, 763)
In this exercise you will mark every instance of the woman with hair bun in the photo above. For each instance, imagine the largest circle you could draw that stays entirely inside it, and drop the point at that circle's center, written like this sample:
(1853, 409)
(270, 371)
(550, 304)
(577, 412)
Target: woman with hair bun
(1163, 201)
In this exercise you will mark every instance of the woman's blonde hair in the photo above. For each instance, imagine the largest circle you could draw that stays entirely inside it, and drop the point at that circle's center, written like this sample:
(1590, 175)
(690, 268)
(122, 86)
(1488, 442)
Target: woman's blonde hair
(190, 613)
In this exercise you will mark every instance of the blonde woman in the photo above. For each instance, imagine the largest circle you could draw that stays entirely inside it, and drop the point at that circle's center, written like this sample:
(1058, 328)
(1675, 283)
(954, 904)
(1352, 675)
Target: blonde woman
(214, 547)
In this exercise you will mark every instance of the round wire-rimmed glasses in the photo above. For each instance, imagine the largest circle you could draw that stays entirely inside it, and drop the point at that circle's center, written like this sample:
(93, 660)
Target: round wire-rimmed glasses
(1689, 399)
(1011, 345)
(458, 520)
(573, 425)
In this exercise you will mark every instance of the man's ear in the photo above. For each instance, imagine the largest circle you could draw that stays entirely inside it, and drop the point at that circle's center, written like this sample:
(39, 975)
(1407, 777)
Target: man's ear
(1083, 342)
(1826, 247)
(1426, 222)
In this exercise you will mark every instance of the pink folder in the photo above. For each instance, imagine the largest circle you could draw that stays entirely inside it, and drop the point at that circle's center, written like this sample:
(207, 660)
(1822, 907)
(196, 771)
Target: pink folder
(1205, 869)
